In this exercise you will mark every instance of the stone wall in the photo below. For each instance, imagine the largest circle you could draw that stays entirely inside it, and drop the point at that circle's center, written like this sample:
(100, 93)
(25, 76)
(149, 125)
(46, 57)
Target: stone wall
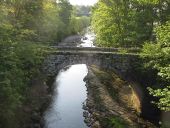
(92, 49)
(121, 63)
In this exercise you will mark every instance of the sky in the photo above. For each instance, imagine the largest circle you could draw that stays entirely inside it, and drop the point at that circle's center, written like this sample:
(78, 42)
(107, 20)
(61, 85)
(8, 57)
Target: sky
(83, 2)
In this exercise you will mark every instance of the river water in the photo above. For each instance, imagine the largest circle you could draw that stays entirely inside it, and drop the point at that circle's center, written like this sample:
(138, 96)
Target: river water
(88, 39)
(69, 94)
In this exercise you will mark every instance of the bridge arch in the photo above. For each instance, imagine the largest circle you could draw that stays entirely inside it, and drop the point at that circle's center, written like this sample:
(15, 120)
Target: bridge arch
(120, 63)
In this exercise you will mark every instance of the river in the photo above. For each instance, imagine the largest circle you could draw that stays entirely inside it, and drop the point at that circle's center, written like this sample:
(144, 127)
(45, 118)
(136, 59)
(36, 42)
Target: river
(88, 39)
(69, 94)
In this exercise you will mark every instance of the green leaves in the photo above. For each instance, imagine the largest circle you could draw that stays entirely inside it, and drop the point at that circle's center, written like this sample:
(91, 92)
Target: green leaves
(117, 122)
(165, 72)
(113, 23)
(26, 27)
(77, 24)
(105, 22)
(148, 1)
(164, 97)
(128, 23)
(159, 58)
(163, 35)
(20, 60)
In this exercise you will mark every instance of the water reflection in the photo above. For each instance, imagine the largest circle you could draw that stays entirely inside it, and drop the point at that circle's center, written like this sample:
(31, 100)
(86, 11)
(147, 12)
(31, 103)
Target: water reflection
(69, 94)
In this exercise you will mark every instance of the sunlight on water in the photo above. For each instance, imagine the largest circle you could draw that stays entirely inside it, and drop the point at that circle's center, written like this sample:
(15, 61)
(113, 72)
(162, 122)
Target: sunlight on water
(69, 94)
(88, 39)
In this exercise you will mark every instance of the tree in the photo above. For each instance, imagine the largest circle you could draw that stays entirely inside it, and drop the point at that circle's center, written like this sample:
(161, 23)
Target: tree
(82, 10)
(64, 10)
(26, 29)
(127, 23)
(158, 55)
(107, 22)
(77, 24)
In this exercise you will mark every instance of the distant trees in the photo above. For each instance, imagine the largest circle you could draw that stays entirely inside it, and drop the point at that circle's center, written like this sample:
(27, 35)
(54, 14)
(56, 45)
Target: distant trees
(80, 18)
(77, 24)
(82, 10)
(56, 18)
(127, 22)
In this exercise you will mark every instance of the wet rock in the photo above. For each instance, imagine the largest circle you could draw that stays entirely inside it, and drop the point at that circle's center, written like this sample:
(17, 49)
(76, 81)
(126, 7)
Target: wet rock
(96, 125)
(36, 117)
(36, 126)
(27, 109)
(85, 79)
(37, 109)
(88, 122)
(85, 114)
(85, 107)
(95, 114)
(85, 38)
(92, 120)
(90, 104)
(42, 122)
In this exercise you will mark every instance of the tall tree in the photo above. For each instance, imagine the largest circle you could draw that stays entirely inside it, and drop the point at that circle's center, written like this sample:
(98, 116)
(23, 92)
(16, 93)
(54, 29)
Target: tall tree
(127, 23)
(158, 56)
(107, 22)
(64, 10)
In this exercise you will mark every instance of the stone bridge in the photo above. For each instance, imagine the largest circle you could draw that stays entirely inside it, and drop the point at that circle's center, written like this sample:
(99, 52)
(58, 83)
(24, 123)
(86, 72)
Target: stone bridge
(119, 60)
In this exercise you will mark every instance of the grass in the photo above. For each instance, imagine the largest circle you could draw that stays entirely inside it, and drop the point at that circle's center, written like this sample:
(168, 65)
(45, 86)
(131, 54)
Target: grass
(114, 122)
(117, 122)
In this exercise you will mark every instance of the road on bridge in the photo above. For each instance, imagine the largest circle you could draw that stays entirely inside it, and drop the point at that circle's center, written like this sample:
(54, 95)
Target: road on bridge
(65, 49)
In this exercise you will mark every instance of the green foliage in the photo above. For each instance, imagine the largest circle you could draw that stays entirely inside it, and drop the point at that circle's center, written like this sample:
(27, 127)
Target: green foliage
(127, 22)
(164, 94)
(64, 8)
(59, 21)
(26, 29)
(158, 56)
(52, 28)
(117, 122)
(123, 51)
(163, 36)
(80, 11)
(79, 19)
(148, 1)
(77, 24)
(20, 62)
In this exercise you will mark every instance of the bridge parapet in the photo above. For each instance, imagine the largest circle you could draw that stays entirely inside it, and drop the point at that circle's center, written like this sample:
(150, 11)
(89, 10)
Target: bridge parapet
(95, 49)
(120, 63)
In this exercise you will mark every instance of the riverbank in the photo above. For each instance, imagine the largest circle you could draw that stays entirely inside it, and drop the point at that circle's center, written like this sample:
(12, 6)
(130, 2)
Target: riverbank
(111, 102)
(30, 115)
(71, 41)
(85, 39)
